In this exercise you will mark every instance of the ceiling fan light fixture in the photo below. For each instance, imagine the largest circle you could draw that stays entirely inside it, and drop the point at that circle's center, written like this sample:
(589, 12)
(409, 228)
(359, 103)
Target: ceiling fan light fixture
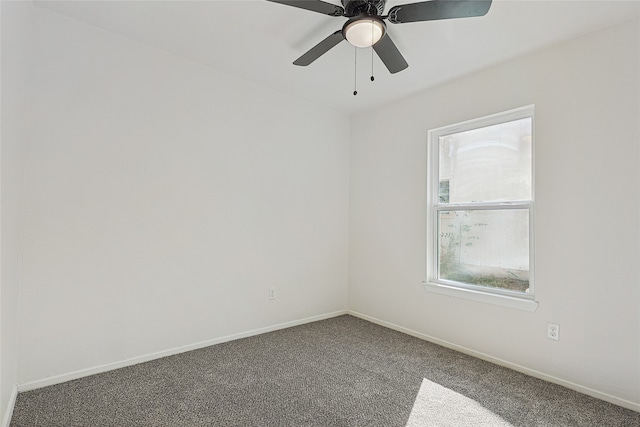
(364, 31)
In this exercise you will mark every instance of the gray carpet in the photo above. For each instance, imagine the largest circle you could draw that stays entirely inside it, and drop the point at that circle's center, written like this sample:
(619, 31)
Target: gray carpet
(338, 372)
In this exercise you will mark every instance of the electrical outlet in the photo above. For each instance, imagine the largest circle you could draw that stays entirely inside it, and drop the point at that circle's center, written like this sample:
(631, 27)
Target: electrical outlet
(272, 293)
(553, 331)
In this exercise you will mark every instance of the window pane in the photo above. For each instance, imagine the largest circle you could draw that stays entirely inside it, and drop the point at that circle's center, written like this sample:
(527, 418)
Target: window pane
(489, 164)
(485, 247)
(443, 192)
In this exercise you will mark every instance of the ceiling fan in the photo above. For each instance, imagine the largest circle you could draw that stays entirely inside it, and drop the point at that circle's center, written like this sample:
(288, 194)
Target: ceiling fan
(366, 26)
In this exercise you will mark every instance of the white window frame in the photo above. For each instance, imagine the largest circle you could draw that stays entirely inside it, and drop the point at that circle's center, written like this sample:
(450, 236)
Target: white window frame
(503, 297)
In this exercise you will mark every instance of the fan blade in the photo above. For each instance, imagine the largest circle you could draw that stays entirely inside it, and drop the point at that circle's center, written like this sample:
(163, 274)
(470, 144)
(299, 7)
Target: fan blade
(390, 55)
(438, 9)
(320, 49)
(314, 6)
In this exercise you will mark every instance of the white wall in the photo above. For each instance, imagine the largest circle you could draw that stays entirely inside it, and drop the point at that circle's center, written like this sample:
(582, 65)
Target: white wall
(163, 198)
(587, 213)
(15, 37)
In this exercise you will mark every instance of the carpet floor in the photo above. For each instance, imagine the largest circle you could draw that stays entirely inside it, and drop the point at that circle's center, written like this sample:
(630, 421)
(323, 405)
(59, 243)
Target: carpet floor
(342, 371)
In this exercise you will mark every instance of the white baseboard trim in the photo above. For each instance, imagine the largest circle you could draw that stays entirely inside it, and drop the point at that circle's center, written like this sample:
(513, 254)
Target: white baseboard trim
(531, 372)
(58, 379)
(6, 420)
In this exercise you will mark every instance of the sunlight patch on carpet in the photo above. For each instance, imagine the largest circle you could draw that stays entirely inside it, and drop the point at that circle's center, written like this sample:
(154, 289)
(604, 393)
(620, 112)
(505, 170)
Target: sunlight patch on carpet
(438, 406)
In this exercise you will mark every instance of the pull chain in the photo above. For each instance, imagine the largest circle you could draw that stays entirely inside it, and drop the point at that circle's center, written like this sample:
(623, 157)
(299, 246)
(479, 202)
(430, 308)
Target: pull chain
(372, 78)
(355, 71)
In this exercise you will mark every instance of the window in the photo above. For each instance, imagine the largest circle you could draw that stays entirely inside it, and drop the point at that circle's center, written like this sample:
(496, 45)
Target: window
(480, 213)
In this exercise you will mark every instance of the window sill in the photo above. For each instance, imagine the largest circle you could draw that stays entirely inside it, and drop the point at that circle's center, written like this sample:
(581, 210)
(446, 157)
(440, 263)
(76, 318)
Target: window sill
(502, 300)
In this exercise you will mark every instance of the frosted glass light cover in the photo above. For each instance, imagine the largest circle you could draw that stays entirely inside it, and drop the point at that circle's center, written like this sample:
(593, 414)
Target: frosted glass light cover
(364, 32)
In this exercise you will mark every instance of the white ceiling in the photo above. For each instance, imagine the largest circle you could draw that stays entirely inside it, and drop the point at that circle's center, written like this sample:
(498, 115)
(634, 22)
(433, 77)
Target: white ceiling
(258, 40)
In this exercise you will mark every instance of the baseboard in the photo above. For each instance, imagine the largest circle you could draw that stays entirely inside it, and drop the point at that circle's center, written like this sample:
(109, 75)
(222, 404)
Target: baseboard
(58, 379)
(531, 372)
(6, 420)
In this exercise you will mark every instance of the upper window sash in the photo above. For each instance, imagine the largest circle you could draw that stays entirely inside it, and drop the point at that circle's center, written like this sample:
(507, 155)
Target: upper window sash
(433, 151)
